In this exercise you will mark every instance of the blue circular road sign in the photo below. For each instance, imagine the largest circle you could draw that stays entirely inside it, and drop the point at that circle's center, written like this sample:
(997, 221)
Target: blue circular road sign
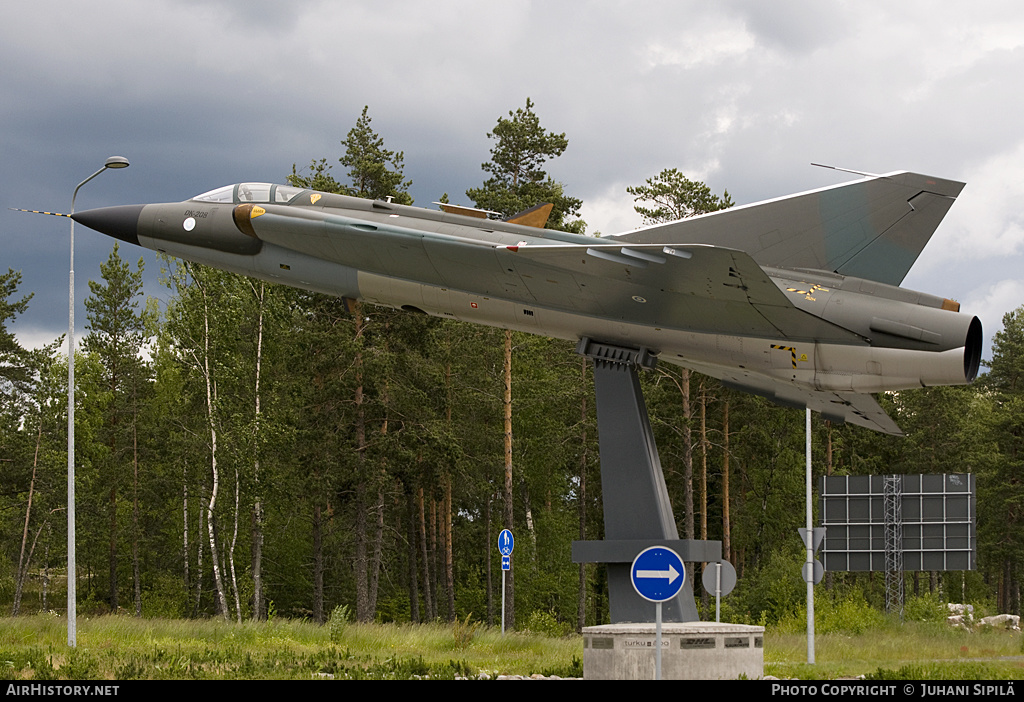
(505, 542)
(658, 574)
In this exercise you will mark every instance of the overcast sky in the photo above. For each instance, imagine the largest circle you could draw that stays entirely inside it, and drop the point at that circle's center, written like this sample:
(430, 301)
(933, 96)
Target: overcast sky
(743, 95)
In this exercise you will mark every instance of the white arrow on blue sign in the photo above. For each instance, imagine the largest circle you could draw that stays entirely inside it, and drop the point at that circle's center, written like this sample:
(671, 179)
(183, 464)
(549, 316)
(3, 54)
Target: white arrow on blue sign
(505, 542)
(506, 563)
(658, 574)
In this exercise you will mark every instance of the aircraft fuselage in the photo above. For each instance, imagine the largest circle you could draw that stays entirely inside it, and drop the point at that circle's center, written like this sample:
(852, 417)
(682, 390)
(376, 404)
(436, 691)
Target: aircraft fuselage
(761, 328)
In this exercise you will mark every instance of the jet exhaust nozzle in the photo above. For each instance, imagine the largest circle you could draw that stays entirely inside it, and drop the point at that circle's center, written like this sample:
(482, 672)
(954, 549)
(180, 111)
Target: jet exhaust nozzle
(972, 350)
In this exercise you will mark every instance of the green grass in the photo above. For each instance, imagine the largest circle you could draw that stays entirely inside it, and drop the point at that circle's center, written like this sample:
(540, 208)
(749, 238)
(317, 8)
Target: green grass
(119, 647)
(913, 651)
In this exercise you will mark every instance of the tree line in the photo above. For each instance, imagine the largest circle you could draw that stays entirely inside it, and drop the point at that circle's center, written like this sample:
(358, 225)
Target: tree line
(252, 450)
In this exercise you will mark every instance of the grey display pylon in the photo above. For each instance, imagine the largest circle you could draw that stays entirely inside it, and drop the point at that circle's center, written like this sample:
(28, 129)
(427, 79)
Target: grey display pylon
(637, 510)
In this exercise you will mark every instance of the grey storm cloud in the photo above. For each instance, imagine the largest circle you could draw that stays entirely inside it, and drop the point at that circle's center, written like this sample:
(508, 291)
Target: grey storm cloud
(743, 95)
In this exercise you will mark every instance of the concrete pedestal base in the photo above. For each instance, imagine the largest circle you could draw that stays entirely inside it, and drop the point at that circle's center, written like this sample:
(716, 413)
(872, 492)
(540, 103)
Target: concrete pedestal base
(690, 651)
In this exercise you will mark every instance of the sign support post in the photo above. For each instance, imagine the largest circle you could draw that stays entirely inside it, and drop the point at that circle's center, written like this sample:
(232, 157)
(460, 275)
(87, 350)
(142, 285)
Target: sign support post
(658, 575)
(505, 545)
(657, 641)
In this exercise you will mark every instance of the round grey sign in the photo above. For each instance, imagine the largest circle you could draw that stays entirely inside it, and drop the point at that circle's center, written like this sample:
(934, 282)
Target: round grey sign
(711, 582)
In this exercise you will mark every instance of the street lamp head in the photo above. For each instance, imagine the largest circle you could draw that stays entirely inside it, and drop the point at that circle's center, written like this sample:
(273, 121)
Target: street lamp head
(116, 162)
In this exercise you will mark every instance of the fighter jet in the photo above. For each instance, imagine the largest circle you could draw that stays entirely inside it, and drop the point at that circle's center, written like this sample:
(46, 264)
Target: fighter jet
(796, 299)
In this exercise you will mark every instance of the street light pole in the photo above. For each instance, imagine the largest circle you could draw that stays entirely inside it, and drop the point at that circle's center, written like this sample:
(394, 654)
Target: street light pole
(112, 162)
(810, 541)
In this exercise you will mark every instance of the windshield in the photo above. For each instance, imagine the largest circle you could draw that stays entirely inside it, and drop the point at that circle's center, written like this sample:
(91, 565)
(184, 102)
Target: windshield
(251, 192)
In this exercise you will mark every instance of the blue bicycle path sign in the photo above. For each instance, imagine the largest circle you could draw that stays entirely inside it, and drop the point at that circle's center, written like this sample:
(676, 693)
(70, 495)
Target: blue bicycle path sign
(658, 574)
(505, 542)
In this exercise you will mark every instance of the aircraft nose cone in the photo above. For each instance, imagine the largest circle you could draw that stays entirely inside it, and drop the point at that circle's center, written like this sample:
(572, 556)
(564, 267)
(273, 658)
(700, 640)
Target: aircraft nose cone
(121, 222)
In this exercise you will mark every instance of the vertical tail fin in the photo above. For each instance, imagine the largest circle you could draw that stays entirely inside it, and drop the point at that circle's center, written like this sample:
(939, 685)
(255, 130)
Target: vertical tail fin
(536, 216)
(873, 228)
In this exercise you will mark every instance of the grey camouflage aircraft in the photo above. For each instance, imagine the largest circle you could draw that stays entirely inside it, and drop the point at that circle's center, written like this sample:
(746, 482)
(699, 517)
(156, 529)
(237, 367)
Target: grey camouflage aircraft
(795, 299)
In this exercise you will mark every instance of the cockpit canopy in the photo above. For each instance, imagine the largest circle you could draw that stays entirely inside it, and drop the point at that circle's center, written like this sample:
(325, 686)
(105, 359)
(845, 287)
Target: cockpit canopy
(251, 192)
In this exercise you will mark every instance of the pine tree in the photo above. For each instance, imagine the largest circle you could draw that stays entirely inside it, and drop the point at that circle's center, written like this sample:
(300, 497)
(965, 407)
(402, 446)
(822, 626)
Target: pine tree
(518, 181)
(30, 413)
(375, 172)
(14, 360)
(116, 333)
(675, 196)
(362, 334)
(1000, 487)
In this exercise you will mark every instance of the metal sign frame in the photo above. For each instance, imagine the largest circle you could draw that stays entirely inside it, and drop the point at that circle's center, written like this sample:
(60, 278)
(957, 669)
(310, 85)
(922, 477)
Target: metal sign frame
(938, 515)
